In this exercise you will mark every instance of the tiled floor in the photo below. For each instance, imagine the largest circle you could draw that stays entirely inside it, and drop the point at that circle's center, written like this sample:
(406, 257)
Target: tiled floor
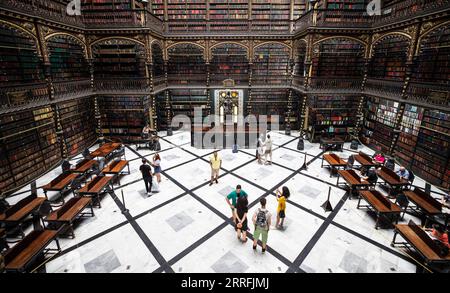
(186, 226)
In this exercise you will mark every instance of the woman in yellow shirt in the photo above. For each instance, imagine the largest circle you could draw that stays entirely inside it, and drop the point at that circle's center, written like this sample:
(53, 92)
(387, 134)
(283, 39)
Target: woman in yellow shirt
(281, 209)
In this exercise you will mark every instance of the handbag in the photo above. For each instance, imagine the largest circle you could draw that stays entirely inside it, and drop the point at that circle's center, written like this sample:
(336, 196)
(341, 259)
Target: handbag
(155, 186)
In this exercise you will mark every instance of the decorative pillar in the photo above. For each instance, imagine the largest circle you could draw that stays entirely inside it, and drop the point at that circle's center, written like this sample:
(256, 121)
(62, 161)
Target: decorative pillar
(60, 132)
(250, 78)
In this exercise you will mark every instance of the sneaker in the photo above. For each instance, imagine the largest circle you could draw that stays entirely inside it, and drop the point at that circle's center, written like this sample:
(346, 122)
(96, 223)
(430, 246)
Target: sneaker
(149, 193)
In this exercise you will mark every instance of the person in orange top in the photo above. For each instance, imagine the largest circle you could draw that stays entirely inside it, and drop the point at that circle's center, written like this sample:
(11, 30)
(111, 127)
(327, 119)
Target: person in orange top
(281, 209)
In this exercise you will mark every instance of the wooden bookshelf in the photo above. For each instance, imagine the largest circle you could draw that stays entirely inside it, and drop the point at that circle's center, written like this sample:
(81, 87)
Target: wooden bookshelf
(78, 124)
(21, 69)
(409, 126)
(271, 15)
(118, 58)
(271, 65)
(183, 102)
(186, 65)
(229, 14)
(332, 115)
(379, 122)
(432, 151)
(161, 110)
(158, 61)
(346, 4)
(389, 58)
(299, 8)
(338, 57)
(433, 63)
(229, 61)
(67, 59)
(270, 102)
(124, 117)
(29, 146)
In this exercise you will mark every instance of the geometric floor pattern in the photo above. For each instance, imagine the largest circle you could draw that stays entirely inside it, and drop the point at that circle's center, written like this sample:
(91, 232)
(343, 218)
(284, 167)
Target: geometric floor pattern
(187, 227)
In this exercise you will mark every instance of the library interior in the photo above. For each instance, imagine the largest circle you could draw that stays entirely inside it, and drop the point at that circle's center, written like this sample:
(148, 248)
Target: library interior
(346, 169)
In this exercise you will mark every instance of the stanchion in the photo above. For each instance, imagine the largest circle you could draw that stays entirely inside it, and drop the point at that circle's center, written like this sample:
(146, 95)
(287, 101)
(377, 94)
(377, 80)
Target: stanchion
(327, 205)
(305, 165)
(125, 210)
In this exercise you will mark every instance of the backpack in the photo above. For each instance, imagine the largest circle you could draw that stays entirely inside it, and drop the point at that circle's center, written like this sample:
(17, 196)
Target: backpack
(261, 218)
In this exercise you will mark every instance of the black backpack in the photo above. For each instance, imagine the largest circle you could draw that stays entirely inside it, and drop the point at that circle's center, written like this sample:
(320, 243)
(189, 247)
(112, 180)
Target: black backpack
(261, 218)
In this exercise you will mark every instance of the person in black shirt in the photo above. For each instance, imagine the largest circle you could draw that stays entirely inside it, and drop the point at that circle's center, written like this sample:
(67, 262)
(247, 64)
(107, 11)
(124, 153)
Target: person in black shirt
(372, 176)
(146, 171)
(241, 218)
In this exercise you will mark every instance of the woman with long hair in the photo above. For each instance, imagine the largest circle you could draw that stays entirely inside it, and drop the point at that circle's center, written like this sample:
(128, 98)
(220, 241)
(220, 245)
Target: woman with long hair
(281, 209)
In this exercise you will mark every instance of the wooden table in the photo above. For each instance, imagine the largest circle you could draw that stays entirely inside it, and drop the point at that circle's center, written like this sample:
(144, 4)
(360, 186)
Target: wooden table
(60, 183)
(334, 161)
(423, 202)
(380, 205)
(15, 215)
(365, 160)
(84, 166)
(116, 168)
(70, 211)
(393, 180)
(353, 180)
(418, 239)
(336, 143)
(24, 253)
(96, 187)
(105, 150)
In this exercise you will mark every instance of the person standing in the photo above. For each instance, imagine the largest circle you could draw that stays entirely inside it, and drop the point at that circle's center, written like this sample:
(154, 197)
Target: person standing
(281, 209)
(233, 196)
(268, 152)
(241, 218)
(157, 167)
(146, 171)
(216, 162)
(262, 221)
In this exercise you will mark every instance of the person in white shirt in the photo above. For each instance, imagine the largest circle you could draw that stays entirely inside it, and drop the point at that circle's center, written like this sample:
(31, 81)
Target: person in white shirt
(268, 145)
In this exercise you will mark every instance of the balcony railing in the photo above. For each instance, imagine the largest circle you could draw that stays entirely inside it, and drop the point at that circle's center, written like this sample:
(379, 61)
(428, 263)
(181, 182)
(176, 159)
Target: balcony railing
(131, 84)
(383, 87)
(196, 26)
(430, 93)
(193, 79)
(21, 94)
(72, 88)
(324, 84)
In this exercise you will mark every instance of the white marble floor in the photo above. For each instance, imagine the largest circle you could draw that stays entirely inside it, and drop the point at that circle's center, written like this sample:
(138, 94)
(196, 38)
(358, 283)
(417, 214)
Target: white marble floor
(186, 226)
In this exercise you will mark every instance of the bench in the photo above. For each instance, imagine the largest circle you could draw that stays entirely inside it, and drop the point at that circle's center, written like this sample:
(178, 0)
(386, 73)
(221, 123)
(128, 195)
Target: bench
(353, 181)
(105, 150)
(95, 187)
(16, 214)
(365, 160)
(60, 183)
(116, 168)
(69, 212)
(415, 237)
(20, 257)
(392, 179)
(84, 166)
(334, 161)
(380, 205)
